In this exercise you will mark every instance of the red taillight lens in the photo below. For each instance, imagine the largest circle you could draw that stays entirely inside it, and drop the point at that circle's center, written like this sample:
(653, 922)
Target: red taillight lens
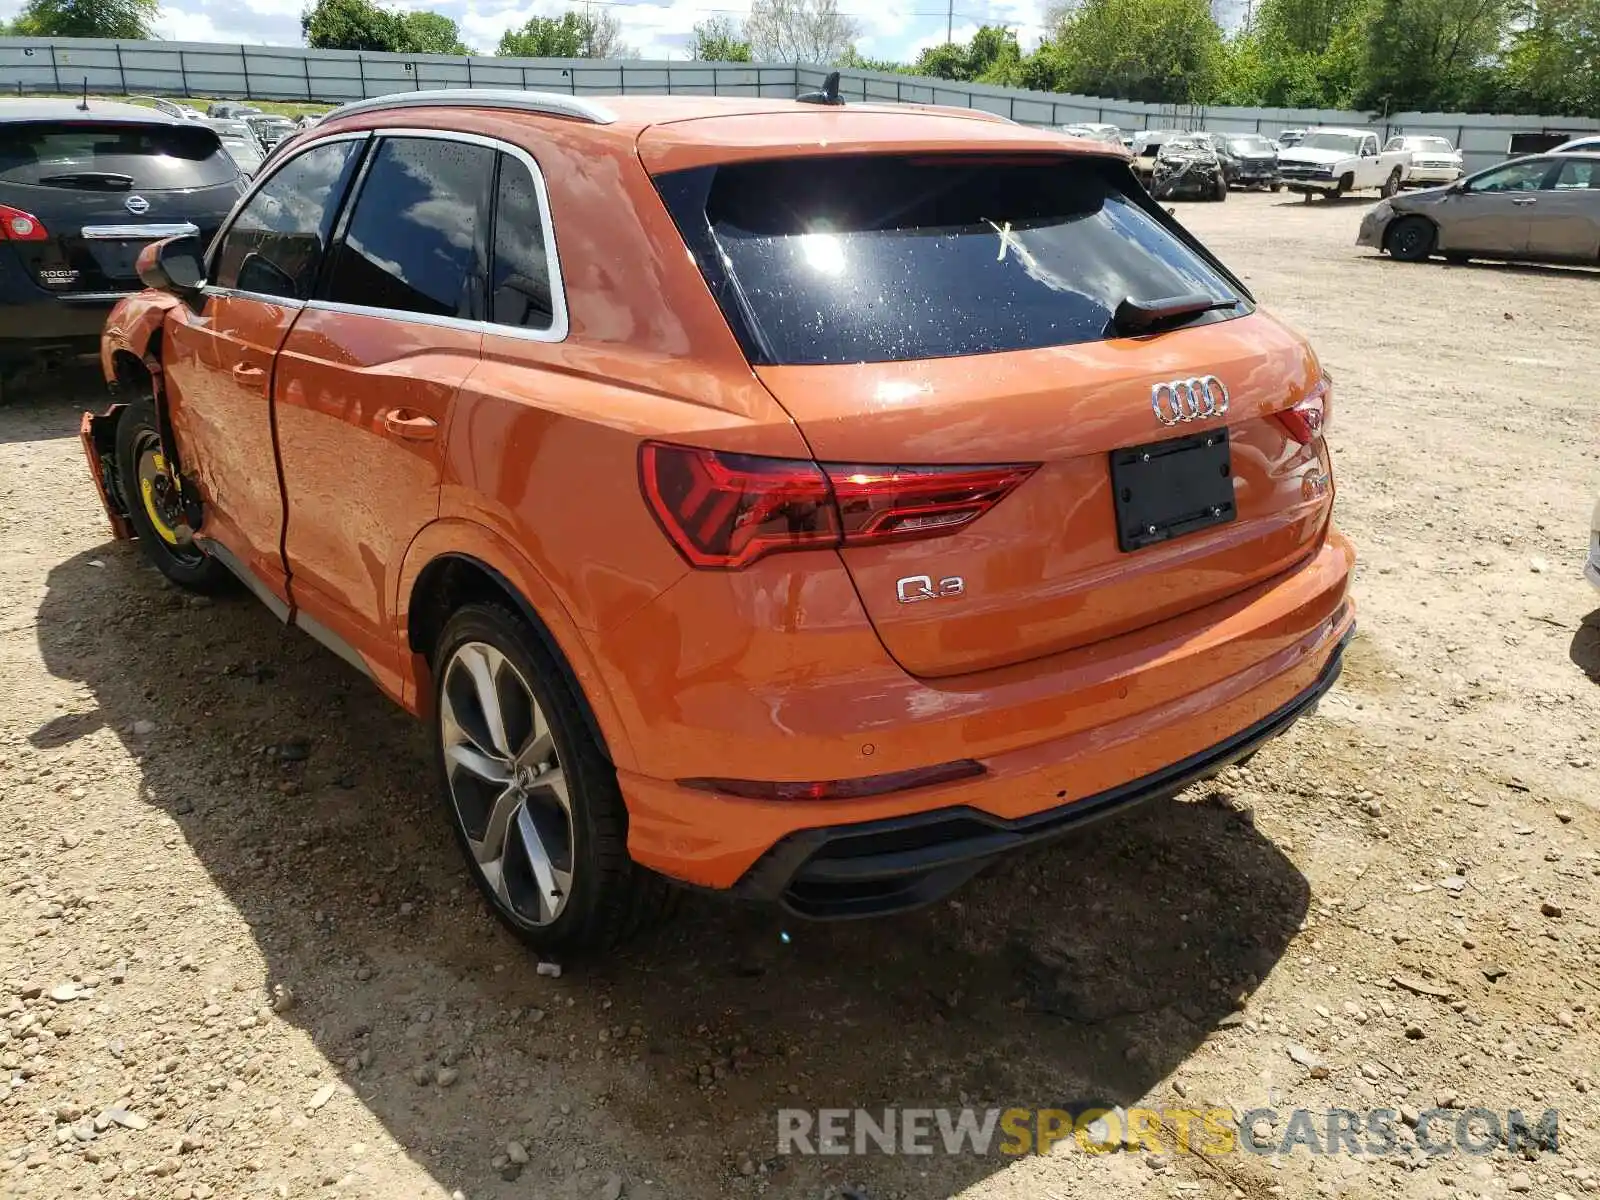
(726, 510)
(19, 226)
(841, 789)
(1307, 421)
(878, 504)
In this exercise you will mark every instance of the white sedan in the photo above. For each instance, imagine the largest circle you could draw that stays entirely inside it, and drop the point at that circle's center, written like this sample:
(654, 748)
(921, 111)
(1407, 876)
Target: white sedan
(1433, 159)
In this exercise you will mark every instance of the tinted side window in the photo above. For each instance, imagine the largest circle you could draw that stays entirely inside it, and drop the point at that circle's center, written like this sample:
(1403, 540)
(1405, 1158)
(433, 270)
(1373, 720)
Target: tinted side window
(415, 242)
(1514, 177)
(1579, 173)
(520, 287)
(276, 243)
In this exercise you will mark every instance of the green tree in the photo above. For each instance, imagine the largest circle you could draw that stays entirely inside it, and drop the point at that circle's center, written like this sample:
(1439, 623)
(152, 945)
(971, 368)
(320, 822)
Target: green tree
(1429, 54)
(992, 56)
(432, 33)
(853, 58)
(1553, 64)
(720, 39)
(127, 19)
(571, 35)
(352, 25)
(1167, 51)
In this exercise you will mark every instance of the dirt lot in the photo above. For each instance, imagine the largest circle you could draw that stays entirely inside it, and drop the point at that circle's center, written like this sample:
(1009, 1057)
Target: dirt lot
(231, 911)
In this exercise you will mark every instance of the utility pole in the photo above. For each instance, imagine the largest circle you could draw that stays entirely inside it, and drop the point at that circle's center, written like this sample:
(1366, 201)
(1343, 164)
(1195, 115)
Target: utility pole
(949, 20)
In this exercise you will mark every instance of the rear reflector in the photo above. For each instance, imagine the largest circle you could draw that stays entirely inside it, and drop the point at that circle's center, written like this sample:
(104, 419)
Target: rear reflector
(724, 511)
(19, 226)
(841, 789)
(1308, 420)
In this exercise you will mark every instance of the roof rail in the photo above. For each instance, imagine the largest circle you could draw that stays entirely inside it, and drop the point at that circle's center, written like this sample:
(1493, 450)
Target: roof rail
(551, 103)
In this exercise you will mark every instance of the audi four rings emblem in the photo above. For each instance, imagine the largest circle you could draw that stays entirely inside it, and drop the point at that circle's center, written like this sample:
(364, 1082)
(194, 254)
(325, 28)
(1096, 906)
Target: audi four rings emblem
(1189, 399)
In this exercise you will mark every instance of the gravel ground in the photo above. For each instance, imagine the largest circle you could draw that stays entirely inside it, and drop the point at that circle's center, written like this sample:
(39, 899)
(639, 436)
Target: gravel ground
(238, 956)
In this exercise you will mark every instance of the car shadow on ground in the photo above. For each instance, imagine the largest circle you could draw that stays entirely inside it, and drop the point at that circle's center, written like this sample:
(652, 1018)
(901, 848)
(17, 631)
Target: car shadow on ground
(1080, 973)
(1349, 201)
(1537, 270)
(1585, 648)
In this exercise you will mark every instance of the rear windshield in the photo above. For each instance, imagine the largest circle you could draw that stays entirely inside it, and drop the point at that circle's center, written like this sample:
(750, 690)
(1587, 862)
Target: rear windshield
(1250, 145)
(153, 157)
(888, 259)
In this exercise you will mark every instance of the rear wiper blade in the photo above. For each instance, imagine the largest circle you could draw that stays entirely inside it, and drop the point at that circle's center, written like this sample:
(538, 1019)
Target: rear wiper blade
(108, 181)
(1142, 316)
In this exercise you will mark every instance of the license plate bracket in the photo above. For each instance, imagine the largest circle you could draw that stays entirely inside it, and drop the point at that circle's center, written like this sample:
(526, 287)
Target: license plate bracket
(1164, 490)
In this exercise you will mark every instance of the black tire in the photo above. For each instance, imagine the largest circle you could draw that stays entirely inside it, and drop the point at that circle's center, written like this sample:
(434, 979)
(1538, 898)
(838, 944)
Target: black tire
(1346, 182)
(145, 486)
(1391, 185)
(1221, 190)
(1275, 187)
(610, 898)
(1410, 239)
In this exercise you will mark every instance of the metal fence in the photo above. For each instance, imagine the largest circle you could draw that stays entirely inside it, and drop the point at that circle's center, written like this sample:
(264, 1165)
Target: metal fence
(45, 65)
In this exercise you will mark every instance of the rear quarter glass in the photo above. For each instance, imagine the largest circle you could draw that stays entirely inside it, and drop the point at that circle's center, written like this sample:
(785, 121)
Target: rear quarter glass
(155, 157)
(893, 258)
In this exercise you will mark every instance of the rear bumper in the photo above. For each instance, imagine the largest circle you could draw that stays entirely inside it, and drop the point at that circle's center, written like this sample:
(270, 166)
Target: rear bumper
(879, 867)
(1433, 175)
(1052, 735)
(31, 326)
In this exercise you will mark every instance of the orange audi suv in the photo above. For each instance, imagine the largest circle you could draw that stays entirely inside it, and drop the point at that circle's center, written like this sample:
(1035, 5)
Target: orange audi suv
(802, 500)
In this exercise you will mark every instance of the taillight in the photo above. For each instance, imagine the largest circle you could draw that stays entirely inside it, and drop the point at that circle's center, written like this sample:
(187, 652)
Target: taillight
(724, 510)
(19, 226)
(878, 504)
(1307, 421)
(727, 510)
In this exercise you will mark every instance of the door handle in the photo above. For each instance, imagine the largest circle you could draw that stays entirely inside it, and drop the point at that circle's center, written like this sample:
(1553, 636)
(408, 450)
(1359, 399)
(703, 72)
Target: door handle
(244, 373)
(413, 426)
(1525, 200)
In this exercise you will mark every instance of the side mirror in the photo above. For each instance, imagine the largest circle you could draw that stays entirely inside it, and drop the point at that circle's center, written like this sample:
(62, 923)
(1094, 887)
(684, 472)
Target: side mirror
(175, 265)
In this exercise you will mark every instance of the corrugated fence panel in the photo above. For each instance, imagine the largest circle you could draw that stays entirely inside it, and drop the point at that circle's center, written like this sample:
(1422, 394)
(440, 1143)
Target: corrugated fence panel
(62, 65)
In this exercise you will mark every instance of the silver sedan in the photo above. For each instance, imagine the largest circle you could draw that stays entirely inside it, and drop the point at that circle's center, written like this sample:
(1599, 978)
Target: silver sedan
(1540, 209)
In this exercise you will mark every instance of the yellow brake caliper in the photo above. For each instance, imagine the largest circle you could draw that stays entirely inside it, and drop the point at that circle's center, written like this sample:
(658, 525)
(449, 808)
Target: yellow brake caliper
(147, 489)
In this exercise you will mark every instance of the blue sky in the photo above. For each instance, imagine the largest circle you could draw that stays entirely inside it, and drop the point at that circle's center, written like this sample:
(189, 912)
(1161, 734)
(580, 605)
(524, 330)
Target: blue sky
(893, 29)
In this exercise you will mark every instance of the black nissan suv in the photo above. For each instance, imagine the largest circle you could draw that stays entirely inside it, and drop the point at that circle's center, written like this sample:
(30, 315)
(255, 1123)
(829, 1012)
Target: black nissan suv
(84, 186)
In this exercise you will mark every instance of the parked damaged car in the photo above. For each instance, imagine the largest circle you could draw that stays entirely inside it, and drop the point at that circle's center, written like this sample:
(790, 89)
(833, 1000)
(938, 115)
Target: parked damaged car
(1188, 168)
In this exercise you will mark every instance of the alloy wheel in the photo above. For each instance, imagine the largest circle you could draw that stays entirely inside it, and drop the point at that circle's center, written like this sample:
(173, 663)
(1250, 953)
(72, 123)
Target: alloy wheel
(507, 783)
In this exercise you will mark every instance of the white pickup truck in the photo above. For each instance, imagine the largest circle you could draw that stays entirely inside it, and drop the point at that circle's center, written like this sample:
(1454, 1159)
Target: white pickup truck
(1331, 162)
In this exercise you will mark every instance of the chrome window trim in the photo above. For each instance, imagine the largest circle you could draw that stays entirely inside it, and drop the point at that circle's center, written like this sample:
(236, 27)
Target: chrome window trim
(211, 289)
(139, 233)
(559, 322)
(552, 104)
(260, 181)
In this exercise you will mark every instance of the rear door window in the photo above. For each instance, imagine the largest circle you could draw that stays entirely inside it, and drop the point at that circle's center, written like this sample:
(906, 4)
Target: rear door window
(521, 284)
(276, 243)
(1579, 173)
(885, 259)
(106, 154)
(416, 240)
